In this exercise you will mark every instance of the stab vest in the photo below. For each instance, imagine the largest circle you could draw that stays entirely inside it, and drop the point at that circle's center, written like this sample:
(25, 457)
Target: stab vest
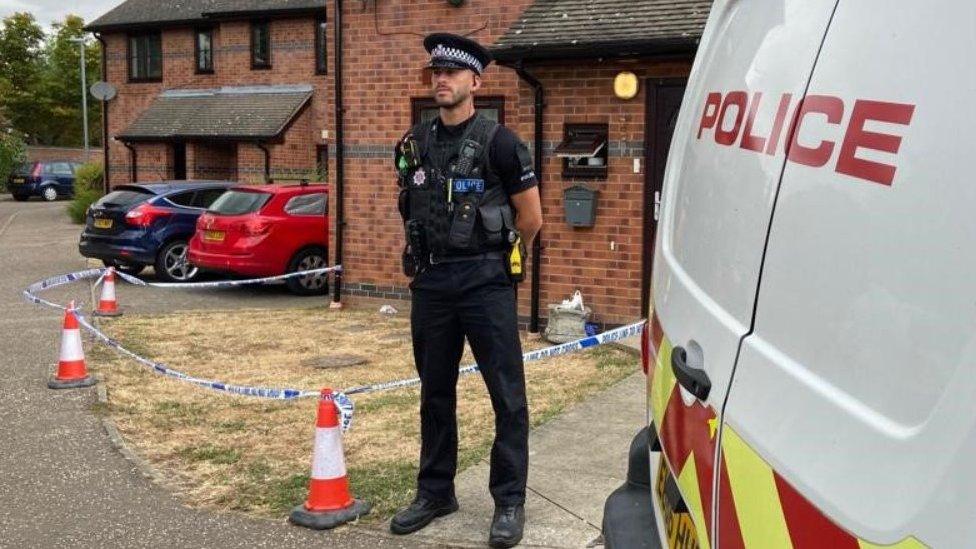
(453, 197)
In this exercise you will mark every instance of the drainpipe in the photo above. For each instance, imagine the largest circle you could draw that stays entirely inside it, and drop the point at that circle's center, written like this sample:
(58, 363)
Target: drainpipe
(267, 161)
(106, 169)
(540, 105)
(134, 155)
(340, 155)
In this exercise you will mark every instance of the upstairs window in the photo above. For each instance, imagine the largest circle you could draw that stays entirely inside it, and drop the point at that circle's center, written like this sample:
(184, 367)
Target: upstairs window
(203, 51)
(321, 51)
(146, 57)
(260, 45)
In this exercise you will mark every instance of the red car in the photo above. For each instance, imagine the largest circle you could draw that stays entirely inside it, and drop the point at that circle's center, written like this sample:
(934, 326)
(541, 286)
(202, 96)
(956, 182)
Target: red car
(266, 230)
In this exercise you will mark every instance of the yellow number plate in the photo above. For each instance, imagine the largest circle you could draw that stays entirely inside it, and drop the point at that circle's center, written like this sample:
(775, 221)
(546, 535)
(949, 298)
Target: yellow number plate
(680, 528)
(103, 223)
(18, 181)
(213, 236)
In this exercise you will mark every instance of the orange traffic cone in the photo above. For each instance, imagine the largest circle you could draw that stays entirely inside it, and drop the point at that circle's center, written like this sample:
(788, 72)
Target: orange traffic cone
(108, 305)
(329, 502)
(72, 372)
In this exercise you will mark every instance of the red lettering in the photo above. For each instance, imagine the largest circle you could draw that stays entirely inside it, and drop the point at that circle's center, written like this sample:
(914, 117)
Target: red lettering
(738, 99)
(708, 118)
(848, 163)
(831, 106)
(784, 105)
(750, 141)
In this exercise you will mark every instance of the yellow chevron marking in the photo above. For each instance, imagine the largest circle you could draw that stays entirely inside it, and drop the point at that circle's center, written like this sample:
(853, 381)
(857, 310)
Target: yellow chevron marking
(754, 491)
(712, 427)
(688, 483)
(907, 543)
(663, 383)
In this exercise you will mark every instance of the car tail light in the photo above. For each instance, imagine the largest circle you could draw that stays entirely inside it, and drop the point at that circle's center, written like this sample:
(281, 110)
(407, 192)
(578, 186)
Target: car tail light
(256, 227)
(36, 172)
(145, 214)
(646, 347)
(202, 221)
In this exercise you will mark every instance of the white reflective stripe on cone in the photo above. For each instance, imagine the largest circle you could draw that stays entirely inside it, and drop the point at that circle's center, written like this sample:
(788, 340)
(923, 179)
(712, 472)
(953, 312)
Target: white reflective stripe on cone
(71, 345)
(108, 291)
(327, 457)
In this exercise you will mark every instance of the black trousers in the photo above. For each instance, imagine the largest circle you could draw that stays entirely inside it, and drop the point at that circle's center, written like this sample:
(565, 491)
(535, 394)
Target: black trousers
(472, 299)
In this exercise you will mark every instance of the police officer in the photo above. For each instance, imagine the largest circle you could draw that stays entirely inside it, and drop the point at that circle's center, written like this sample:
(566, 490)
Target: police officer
(468, 194)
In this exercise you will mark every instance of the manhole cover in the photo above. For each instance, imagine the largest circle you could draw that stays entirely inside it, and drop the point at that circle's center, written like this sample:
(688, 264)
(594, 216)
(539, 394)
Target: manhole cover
(394, 336)
(334, 361)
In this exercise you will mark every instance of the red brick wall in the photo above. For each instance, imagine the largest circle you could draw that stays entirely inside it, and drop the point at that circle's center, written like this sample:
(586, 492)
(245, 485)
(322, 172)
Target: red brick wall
(45, 154)
(211, 161)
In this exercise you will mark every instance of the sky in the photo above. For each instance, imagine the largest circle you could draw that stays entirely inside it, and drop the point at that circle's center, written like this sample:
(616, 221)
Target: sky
(49, 11)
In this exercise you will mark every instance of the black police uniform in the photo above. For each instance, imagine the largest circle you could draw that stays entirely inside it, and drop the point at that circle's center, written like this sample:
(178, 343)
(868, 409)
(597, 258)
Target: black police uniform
(456, 184)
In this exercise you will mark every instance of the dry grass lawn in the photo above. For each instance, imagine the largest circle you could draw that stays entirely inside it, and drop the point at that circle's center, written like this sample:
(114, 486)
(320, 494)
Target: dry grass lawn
(252, 455)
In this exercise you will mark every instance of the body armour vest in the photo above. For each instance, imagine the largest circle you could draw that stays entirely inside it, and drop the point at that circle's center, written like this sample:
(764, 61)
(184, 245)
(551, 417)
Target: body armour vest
(451, 201)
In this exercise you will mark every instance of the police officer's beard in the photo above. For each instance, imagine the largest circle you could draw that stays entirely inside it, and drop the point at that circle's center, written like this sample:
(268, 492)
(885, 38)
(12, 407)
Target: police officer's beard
(457, 98)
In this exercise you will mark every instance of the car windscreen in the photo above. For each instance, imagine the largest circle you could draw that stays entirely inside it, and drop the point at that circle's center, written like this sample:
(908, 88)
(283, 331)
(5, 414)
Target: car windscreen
(237, 202)
(123, 197)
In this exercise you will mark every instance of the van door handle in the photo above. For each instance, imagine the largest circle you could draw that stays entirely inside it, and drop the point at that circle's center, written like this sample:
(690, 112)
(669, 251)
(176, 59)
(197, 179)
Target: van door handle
(695, 380)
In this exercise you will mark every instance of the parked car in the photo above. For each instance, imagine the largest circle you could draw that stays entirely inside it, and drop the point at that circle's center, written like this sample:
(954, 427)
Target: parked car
(135, 226)
(49, 180)
(812, 338)
(266, 230)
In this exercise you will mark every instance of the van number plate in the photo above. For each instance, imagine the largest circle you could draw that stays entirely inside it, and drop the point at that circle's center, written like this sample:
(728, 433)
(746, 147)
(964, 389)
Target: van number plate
(680, 528)
(103, 223)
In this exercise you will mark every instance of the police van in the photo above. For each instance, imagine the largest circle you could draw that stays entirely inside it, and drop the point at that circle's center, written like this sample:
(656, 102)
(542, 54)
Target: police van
(811, 348)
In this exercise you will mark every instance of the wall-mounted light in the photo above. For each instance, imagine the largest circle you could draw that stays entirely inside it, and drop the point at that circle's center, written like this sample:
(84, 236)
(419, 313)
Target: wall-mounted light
(456, 3)
(626, 85)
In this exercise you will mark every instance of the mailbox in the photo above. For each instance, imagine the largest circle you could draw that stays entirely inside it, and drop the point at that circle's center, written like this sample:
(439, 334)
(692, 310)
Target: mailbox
(580, 204)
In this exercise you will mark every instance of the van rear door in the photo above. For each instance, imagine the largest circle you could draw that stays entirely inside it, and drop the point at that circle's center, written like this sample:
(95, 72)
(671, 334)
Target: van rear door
(852, 414)
(723, 171)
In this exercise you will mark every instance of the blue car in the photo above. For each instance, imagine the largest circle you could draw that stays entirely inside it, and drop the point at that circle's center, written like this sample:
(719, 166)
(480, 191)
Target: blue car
(139, 225)
(49, 180)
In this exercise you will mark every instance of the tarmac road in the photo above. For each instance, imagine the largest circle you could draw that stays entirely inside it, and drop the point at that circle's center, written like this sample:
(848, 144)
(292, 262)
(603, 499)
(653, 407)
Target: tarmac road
(62, 483)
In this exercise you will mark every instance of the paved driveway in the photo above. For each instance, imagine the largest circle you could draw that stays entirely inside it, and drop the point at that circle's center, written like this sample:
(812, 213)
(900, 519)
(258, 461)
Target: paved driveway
(61, 481)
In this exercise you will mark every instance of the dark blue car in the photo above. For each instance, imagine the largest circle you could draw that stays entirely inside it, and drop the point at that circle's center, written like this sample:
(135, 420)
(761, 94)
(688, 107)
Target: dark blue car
(48, 180)
(139, 225)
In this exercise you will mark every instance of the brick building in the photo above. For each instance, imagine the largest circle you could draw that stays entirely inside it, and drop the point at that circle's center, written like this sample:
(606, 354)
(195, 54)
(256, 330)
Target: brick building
(242, 120)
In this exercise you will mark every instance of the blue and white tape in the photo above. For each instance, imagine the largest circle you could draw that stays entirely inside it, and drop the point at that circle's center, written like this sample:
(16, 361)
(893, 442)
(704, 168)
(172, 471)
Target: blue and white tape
(341, 398)
(226, 283)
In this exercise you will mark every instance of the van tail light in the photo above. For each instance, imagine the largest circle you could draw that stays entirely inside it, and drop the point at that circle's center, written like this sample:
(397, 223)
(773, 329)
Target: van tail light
(145, 215)
(36, 172)
(256, 227)
(646, 347)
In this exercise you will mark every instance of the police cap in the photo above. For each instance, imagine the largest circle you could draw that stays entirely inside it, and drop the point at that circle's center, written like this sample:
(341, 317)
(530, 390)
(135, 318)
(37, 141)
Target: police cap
(451, 51)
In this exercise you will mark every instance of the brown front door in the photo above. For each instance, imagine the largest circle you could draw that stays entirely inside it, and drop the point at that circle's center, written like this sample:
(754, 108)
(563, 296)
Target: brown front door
(663, 101)
(179, 161)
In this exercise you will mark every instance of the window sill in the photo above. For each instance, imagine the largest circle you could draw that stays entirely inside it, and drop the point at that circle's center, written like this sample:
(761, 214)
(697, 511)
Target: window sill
(145, 80)
(260, 67)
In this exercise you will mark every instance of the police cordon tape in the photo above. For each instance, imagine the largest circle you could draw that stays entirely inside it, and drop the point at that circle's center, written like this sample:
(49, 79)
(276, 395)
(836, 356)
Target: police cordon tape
(341, 398)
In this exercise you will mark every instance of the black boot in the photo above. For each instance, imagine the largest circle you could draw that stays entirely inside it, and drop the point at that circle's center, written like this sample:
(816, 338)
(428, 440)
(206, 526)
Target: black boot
(506, 526)
(420, 513)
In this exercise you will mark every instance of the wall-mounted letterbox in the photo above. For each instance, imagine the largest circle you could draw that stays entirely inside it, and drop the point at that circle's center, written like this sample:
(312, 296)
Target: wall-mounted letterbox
(580, 205)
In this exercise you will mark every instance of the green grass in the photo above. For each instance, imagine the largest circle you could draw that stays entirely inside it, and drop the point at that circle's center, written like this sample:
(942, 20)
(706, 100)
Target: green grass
(211, 453)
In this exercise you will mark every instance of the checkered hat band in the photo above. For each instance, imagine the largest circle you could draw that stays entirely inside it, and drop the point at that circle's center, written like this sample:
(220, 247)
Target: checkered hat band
(442, 52)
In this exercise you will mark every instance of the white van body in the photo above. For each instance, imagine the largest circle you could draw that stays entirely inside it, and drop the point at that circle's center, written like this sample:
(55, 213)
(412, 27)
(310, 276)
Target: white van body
(816, 260)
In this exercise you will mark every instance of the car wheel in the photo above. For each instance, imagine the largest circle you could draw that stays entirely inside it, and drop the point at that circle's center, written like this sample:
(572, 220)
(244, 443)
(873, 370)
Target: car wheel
(133, 269)
(50, 194)
(21, 197)
(306, 260)
(172, 264)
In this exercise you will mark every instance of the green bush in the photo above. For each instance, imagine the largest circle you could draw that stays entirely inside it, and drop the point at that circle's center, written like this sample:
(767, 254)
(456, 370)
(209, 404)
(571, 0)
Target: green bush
(88, 189)
(12, 152)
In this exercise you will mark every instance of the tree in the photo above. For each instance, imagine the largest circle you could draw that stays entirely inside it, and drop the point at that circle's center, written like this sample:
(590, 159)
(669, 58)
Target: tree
(62, 81)
(21, 63)
(12, 149)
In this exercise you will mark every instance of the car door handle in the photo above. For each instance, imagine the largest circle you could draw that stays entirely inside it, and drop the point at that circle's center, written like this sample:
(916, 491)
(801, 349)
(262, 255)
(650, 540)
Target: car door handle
(695, 380)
